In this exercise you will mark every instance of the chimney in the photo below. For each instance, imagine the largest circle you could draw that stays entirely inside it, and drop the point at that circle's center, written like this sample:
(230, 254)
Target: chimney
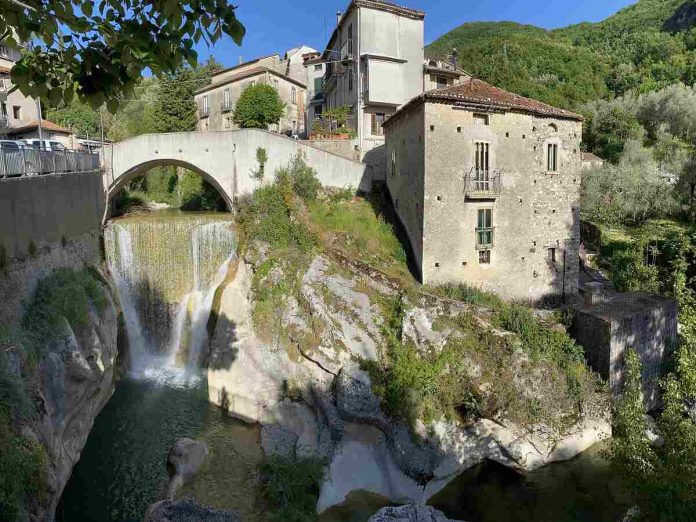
(241, 61)
(455, 54)
(338, 17)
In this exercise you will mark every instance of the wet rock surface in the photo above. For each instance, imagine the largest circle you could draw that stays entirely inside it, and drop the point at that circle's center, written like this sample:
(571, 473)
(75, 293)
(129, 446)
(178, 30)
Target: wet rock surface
(185, 459)
(186, 511)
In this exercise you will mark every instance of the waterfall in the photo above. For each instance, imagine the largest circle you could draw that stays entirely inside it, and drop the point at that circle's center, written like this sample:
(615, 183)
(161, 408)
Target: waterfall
(167, 268)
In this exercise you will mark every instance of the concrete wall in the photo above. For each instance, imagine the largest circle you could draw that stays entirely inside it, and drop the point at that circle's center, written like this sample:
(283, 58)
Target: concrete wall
(343, 148)
(535, 211)
(226, 159)
(46, 222)
(641, 321)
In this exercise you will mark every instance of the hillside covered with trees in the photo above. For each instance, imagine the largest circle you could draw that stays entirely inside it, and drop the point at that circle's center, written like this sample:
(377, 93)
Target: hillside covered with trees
(644, 47)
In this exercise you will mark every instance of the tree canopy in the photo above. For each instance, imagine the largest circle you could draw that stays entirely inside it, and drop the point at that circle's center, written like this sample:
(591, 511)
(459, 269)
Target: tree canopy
(98, 50)
(258, 107)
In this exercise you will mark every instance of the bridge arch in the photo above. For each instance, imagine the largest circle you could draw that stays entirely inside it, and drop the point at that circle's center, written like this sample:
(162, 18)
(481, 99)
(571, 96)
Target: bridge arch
(226, 159)
(142, 169)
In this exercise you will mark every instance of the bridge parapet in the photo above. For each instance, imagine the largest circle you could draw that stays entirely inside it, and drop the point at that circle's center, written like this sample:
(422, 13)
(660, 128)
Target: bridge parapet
(227, 159)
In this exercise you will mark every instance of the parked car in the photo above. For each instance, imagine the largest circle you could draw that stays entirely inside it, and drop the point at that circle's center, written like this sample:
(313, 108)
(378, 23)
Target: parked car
(52, 145)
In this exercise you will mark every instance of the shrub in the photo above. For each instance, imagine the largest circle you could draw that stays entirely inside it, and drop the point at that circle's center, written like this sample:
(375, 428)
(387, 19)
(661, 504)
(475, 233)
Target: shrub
(468, 294)
(63, 294)
(301, 176)
(258, 107)
(291, 487)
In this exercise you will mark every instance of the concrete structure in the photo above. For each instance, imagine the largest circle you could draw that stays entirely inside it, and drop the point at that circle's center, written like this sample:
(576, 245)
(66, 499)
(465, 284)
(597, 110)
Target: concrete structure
(46, 222)
(225, 159)
(486, 184)
(216, 102)
(49, 131)
(15, 108)
(591, 161)
(438, 74)
(374, 65)
(608, 325)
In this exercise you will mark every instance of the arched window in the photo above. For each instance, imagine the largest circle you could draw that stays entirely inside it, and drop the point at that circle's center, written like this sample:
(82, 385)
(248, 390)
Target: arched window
(553, 127)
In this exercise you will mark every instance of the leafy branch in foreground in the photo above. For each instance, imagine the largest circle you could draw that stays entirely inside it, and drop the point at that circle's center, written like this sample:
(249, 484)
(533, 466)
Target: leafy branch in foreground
(98, 50)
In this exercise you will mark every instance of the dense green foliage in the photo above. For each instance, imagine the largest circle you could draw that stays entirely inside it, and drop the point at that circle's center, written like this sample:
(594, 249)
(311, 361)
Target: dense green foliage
(291, 487)
(98, 51)
(258, 107)
(644, 47)
(526, 60)
(174, 108)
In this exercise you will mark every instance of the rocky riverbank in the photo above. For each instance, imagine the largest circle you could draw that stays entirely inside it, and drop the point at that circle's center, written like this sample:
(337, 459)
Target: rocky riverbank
(304, 380)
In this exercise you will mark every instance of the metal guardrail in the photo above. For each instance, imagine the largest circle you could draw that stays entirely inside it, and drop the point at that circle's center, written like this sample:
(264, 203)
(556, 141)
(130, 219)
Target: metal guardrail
(27, 161)
(482, 184)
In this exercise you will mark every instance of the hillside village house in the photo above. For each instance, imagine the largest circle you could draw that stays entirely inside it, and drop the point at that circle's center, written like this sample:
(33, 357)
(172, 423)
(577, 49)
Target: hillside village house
(16, 110)
(374, 64)
(486, 184)
(216, 101)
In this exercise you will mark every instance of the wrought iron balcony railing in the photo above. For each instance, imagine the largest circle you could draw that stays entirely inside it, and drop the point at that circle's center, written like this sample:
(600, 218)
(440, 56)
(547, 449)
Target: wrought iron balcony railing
(482, 184)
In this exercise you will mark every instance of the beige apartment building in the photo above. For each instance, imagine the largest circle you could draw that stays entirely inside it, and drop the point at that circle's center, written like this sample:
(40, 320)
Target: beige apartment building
(16, 110)
(486, 184)
(374, 64)
(216, 101)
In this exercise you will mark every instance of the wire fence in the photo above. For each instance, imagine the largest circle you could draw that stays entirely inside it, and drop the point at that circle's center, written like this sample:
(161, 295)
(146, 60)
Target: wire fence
(26, 161)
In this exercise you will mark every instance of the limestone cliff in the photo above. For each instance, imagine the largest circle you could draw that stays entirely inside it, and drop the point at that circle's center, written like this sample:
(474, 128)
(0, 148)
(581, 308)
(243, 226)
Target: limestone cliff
(303, 378)
(70, 382)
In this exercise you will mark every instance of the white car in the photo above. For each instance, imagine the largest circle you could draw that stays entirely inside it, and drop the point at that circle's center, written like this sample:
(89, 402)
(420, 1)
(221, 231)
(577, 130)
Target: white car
(52, 145)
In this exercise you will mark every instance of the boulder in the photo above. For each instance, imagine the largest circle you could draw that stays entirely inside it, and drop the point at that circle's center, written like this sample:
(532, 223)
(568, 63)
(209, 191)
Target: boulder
(409, 513)
(186, 511)
(185, 459)
(278, 440)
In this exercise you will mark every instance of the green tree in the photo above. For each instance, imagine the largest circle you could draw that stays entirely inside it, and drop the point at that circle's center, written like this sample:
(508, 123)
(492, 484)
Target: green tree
(98, 50)
(608, 127)
(77, 116)
(174, 108)
(258, 107)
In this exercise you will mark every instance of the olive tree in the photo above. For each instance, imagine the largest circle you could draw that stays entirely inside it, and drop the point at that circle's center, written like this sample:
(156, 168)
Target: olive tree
(98, 50)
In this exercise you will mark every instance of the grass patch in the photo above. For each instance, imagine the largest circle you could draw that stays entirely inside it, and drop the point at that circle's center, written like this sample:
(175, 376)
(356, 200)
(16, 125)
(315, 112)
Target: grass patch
(467, 294)
(291, 487)
(363, 230)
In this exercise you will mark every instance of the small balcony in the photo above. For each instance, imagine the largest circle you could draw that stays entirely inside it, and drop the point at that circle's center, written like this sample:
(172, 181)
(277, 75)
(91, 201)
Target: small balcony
(315, 96)
(482, 185)
(204, 112)
(226, 106)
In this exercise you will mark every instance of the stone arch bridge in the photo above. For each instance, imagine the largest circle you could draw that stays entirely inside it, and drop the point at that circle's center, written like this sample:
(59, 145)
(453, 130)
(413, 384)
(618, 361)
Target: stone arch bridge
(226, 159)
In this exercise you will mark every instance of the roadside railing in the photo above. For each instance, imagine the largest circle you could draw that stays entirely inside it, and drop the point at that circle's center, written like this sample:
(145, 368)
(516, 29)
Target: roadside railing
(27, 161)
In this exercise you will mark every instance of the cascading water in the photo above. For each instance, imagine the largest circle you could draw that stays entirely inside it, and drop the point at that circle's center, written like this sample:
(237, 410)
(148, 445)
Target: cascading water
(167, 268)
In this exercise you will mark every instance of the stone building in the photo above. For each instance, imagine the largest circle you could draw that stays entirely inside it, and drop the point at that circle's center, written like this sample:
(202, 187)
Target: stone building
(438, 74)
(16, 110)
(609, 323)
(216, 101)
(486, 184)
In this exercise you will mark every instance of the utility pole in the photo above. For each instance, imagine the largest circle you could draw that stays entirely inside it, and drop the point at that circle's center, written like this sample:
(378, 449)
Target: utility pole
(38, 110)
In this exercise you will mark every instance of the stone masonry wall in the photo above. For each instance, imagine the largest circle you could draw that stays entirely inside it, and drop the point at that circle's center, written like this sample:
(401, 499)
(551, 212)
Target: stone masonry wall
(535, 212)
(405, 164)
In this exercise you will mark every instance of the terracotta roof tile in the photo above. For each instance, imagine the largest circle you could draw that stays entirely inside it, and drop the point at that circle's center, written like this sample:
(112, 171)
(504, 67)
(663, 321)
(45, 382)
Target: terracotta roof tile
(45, 124)
(477, 94)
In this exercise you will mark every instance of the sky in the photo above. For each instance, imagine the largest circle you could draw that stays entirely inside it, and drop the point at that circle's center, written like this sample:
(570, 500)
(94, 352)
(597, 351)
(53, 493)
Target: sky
(274, 26)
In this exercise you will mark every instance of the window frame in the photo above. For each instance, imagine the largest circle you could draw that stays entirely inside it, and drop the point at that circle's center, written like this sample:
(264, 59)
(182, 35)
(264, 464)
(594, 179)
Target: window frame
(17, 112)
(205, 105)
(485, 231)
(481, 118)
(293, 94)
(376, 129)
(552, 149)
(350, 79)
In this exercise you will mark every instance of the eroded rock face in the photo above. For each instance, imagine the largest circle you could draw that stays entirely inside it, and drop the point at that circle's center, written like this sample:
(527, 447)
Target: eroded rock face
(409, 513)
(185, 459)
(322, 404)
(76, 382)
